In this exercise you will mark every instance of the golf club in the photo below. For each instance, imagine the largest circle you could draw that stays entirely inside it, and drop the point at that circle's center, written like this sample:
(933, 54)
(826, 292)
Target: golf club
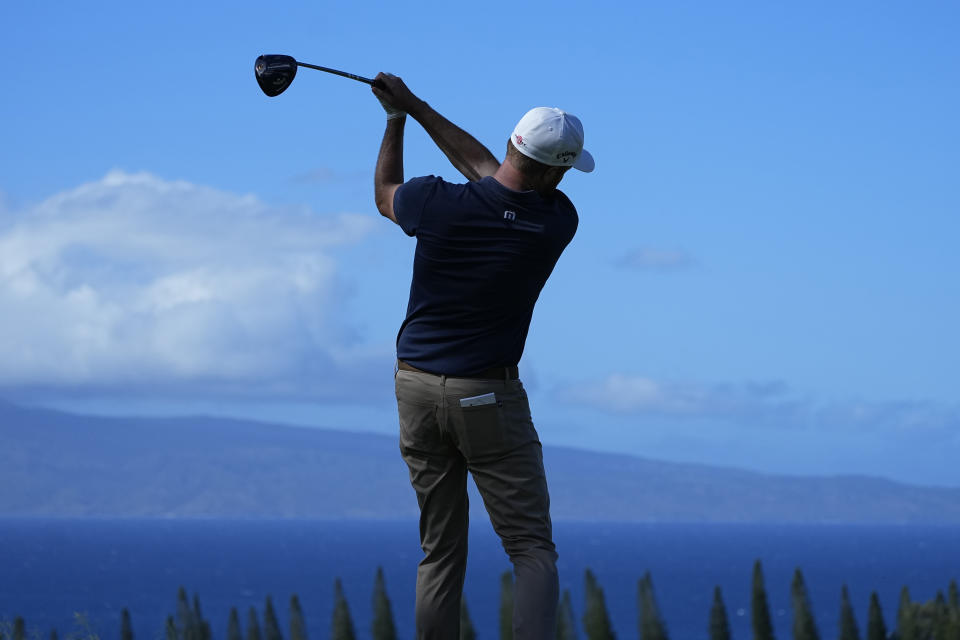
(275, 72)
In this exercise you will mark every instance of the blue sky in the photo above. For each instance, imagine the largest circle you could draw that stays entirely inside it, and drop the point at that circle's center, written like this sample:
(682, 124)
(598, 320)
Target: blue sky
(764, 275)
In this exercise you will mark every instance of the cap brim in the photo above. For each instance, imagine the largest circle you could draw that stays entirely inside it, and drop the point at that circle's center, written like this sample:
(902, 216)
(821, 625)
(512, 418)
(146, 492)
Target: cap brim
(584, 162)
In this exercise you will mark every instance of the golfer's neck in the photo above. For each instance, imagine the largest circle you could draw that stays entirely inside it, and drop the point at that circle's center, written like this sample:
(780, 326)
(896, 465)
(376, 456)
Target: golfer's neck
(512, 179)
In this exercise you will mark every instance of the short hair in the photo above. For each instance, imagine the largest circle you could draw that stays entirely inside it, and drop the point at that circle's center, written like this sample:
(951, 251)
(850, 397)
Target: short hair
(525, 165)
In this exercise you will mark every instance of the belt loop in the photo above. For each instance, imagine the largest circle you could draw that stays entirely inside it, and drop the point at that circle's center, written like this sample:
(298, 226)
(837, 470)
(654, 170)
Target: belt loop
(443, 403)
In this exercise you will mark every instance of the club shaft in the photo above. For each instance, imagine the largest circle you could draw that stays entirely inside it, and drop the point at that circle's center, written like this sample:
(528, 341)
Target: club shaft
(336, 72)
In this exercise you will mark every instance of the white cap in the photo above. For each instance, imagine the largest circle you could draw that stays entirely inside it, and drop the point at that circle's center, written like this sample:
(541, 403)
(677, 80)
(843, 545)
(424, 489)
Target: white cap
(553, 137)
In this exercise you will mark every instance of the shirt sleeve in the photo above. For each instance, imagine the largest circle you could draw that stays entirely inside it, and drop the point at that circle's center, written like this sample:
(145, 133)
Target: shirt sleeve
(570, 214)
(411, 200)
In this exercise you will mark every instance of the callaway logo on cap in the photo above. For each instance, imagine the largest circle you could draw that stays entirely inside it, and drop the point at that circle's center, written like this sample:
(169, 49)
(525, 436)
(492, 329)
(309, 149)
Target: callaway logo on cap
(552, 136)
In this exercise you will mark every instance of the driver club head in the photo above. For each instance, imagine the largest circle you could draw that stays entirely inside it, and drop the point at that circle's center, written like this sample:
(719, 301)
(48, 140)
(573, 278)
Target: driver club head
(274, 73)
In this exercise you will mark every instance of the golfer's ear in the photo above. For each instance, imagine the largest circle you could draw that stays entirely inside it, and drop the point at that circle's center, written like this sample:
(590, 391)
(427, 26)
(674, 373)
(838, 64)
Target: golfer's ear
(385, 196)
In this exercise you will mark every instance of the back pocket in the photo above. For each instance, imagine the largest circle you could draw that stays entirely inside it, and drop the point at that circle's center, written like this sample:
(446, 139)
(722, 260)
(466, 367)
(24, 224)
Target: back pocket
(483, 432)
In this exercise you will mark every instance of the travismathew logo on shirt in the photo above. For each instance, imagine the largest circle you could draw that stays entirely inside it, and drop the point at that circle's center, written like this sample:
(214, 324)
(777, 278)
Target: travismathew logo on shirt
(510, 219)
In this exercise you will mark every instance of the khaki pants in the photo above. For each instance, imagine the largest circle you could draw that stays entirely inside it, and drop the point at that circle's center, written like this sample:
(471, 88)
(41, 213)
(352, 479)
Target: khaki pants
(440, 440)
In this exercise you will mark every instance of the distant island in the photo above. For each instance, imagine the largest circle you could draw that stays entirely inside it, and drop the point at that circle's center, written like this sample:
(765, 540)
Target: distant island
(56, 464)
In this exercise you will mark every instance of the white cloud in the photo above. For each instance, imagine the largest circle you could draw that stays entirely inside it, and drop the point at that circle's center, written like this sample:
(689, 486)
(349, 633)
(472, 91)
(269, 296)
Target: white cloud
(651, 259)
(637, 394)
(329, 175)
(764, 404)
(138, 281)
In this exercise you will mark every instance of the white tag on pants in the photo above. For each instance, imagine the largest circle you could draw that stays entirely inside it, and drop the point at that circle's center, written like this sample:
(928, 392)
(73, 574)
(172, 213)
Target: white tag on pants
(476, 401)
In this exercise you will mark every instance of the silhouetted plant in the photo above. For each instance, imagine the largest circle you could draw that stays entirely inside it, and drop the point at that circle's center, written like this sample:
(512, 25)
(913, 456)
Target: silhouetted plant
(271, 626)
(719, 627)
(953, 612)
(53, 635)
(185, 627)
(933, 620)
(907, 624)
(566, 621)
(170, 630)
(202, 626)
(253, 625)
(596, 620)
(384, 627)
(651, 623)
(233, 625)
(189, 624)
(126, 627)
(940, 625)
(876, 628)
(759, 608)
(342, 625)
(848, 623)
(184, 613)
(467, 632)
(506, 605)
(804, 626)
(298, 626)
(19, 629)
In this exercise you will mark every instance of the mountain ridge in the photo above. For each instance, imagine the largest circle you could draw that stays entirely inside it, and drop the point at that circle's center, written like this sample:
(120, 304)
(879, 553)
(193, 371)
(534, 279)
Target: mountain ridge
(223, 467)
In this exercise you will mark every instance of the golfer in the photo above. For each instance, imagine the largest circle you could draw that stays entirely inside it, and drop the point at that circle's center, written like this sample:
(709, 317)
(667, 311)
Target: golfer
(484, 251)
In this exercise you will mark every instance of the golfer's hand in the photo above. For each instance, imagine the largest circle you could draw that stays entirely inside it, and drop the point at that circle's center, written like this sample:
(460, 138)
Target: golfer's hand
(393, 93)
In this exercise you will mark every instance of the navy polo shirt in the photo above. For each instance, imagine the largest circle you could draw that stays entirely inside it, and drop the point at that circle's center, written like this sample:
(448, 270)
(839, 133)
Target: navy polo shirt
(483, 254)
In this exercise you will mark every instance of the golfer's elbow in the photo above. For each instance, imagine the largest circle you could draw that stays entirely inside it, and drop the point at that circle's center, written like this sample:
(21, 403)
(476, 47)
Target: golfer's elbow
(386, 210)
(384, 199)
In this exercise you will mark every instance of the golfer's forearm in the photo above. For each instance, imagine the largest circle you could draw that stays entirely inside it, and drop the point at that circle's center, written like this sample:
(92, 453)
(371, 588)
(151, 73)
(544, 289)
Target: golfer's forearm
(467, 155)
(389, 172)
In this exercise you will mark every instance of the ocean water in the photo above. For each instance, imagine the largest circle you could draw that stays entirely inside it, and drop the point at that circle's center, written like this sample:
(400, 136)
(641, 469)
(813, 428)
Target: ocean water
(51, 570)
